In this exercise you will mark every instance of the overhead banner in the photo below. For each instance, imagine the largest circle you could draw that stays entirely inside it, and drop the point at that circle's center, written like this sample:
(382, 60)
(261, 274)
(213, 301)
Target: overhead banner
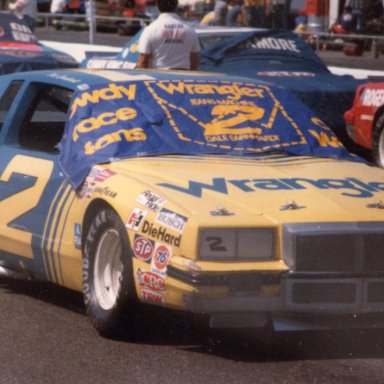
(188, 116)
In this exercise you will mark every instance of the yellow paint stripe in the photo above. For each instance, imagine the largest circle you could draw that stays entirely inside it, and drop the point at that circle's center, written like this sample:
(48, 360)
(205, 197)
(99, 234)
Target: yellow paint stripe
(51, 229)
(46, 229)
(55, 254)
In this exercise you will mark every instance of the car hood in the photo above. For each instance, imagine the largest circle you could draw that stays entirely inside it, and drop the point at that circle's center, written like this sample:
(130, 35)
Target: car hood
(274, 188)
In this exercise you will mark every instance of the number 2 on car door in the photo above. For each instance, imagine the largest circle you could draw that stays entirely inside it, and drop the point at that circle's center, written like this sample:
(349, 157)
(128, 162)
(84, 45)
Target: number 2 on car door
(18, 197)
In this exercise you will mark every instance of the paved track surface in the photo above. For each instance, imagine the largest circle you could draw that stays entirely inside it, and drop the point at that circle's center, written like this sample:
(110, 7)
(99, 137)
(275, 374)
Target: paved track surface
(47, 339)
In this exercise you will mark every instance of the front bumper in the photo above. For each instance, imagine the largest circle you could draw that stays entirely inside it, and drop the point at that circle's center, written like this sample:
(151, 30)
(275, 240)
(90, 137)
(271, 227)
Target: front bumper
(288, 301)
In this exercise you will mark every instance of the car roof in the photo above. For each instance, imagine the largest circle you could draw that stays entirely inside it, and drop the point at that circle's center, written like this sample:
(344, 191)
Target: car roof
(81, 78)
(208, 30)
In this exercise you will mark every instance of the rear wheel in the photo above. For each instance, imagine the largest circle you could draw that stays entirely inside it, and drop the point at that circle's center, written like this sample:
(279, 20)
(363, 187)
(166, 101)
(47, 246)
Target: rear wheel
(108, 284)
(378, 141)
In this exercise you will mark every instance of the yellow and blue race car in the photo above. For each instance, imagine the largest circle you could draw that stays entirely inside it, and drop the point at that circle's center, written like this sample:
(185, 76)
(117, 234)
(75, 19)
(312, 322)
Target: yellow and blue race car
(205, 193)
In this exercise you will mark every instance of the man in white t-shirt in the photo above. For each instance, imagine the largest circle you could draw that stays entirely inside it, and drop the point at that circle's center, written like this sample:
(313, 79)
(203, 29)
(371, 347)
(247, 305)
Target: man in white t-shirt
(58, 6)
(168, 42)
(25, 10)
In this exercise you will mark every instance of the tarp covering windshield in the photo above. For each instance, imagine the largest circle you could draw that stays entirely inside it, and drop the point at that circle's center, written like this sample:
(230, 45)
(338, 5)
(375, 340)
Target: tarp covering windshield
(192, 115)
(20, 51)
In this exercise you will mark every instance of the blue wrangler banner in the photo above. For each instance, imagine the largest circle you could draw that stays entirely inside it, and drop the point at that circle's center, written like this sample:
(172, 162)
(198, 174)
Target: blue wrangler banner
(188, 116)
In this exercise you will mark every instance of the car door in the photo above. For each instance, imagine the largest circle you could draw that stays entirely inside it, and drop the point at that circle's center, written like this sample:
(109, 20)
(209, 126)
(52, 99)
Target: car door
(32, 188)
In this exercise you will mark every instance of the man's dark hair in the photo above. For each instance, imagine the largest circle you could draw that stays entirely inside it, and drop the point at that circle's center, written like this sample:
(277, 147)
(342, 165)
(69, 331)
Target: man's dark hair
(167, 5)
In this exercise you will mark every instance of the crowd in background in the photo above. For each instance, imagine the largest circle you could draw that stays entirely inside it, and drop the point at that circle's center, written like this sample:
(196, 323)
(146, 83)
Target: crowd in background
(252, 13)
(357, 15)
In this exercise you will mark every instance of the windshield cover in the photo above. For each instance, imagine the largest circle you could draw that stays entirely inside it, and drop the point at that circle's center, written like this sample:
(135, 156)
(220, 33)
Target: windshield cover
(188, 116)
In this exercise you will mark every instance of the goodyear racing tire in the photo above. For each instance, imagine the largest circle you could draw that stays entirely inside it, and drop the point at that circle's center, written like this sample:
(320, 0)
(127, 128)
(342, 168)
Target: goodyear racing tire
(108, 285)
(378, 141)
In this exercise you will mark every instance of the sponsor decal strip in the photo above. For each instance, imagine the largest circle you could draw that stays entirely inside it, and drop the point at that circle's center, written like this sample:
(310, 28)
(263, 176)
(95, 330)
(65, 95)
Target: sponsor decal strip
(373, 97)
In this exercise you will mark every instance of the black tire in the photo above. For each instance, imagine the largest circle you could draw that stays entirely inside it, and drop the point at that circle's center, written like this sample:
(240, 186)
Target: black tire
(108, 285)
(378, 141)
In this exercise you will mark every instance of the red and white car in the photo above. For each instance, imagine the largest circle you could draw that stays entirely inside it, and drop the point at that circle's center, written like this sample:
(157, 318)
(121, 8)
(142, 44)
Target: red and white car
(365, 120)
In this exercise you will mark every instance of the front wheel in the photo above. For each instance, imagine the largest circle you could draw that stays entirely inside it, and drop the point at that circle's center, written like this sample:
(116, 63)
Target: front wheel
(378, 141)
(108, 285)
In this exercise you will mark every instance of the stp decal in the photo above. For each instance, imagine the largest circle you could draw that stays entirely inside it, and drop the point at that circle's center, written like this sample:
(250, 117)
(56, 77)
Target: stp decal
(143, 248)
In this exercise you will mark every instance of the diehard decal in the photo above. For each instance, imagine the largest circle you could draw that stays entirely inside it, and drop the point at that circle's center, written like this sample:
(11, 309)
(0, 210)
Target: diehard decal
(160, 234)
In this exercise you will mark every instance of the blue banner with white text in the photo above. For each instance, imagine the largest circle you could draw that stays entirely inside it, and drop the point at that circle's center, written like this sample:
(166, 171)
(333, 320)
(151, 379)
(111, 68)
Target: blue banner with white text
(188, 116)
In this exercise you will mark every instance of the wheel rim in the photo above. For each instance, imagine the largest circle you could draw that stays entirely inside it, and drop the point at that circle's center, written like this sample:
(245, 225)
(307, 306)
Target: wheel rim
(380, 150)
(108, 269)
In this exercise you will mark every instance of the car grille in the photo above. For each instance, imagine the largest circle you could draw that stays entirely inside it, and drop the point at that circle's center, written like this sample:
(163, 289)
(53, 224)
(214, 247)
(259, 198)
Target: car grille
(334, 247)
(335, 266)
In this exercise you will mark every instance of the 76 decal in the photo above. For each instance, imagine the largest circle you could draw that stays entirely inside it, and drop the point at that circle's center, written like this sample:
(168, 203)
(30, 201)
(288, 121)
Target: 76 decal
(160, 258)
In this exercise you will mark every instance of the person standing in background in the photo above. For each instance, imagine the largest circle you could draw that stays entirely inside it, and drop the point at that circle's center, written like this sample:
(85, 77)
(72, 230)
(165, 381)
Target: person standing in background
(168, 42)
(255, 13)
(220, 11)
(235, 14)
(25, 10)
(357, 7)
(278, 14)
(58, 6)
(347, 20)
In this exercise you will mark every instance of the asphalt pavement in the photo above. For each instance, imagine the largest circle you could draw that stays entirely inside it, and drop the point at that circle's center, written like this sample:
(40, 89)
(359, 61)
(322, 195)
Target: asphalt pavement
(332, 57)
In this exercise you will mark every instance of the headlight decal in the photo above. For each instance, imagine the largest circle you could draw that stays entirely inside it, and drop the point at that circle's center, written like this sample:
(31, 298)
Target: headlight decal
(237, 244)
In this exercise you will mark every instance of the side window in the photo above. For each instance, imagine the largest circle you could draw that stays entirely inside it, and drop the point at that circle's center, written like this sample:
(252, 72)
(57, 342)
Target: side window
(43, 126)
(7, 99)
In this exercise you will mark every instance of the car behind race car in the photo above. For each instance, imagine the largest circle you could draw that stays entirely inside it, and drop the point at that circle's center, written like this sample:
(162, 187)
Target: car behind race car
(282, 58)
(365, 120)
(209, 194)
(21, 51)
